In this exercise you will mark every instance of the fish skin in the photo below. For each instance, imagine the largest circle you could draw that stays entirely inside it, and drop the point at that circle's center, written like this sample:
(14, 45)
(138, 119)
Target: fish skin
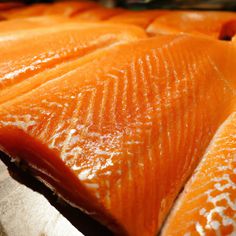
(206, 24)
(207, 203)
(26, 53)
(117, 131)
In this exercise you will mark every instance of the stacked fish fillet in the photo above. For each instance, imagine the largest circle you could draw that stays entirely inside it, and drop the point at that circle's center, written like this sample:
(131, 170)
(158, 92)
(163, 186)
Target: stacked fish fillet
(115, 110)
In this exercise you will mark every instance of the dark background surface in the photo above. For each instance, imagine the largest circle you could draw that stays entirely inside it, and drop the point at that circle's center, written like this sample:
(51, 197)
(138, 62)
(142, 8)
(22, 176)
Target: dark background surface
(229, 5)
(170, 4)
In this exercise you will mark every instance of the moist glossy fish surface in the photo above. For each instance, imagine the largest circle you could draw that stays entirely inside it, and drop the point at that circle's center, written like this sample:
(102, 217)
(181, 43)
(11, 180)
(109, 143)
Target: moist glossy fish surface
(119, 138)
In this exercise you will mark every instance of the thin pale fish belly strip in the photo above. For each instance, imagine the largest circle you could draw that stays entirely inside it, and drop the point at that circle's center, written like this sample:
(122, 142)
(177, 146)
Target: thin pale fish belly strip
(208, 200)
(113, 125)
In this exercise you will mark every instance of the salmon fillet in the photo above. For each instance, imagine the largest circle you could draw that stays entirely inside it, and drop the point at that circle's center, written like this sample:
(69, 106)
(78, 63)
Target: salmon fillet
(198, 23)
(119, 138)
(139, 18)
(31, 23)
(98, 14)
(69, 8)
(29, 52)
(208, 201)
(2, 18)
(27, 11)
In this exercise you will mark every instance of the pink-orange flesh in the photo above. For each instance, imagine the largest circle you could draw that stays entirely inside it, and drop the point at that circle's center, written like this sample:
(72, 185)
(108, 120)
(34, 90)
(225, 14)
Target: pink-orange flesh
(207, 205)
(29, 52)
(27, 11)
(139, 18)
(69, 8)
(98, 14)
(198, 23)
(120, 137)
(115, 122)
(31, 23)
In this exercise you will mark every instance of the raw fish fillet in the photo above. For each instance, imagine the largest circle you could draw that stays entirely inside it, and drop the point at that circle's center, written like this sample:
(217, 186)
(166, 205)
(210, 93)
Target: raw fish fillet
(119, 135)
(198, 23)
(139, 18)
(27, 11)
(69, 8)
(2, 18)
(98, 14)
(31, 23)
(26, 53)
(207, 205)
